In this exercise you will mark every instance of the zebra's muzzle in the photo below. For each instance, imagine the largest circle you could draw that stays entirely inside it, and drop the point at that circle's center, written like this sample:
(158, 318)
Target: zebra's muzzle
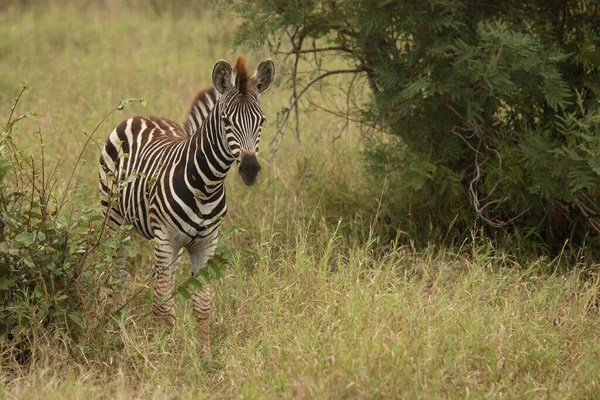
(249, 168)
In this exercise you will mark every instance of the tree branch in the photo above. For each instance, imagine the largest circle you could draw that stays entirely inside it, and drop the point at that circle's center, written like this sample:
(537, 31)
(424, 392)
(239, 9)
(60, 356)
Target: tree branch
(284, 115)
(316, 50)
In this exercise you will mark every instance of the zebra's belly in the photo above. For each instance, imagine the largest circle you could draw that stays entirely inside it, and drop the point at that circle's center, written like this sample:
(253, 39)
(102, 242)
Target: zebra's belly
(156, 215)
(134, 207)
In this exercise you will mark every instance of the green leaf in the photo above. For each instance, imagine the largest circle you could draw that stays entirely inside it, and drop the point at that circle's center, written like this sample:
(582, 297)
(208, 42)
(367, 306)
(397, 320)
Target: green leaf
(204, 276)
(227, 255)
(214, 269)
(6, 283)
(132, 252)
(26, 238)
(183, 292)
(75, 316)
(39, 292)
(193, 283)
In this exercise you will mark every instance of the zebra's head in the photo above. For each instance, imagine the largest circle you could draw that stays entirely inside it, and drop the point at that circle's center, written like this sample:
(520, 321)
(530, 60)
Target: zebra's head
(240, 111)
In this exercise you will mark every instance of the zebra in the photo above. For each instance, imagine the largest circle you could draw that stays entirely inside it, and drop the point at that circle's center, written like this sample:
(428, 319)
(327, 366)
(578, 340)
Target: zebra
(168, 182)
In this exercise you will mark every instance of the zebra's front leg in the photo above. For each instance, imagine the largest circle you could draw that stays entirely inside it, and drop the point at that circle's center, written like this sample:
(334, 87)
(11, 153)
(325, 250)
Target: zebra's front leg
(165, 259)
(202, 301)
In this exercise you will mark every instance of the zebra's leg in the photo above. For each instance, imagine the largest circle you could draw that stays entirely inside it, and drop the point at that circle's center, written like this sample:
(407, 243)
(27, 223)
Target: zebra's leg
(202, 301)
(165, 258)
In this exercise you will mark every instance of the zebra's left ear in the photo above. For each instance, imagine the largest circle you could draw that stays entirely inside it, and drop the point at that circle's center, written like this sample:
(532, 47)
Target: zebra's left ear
(265, 73)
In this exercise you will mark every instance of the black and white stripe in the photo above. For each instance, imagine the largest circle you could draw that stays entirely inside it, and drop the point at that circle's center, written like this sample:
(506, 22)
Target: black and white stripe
(168, 182)
(203, 103)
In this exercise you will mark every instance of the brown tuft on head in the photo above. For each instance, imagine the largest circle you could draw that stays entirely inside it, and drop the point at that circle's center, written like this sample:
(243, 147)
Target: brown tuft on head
(242, 78)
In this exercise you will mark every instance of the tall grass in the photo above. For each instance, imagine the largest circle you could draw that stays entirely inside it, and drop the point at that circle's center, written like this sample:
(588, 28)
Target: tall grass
(314, 304)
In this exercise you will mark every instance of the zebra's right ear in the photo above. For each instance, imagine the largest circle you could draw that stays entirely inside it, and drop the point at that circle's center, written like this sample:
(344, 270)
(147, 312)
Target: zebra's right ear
(221, 76)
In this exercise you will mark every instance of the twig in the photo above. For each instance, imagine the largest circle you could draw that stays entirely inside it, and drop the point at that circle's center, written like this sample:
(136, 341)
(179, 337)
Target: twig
(314, 50)
(338, 114)
(66, 193)
(284, 115)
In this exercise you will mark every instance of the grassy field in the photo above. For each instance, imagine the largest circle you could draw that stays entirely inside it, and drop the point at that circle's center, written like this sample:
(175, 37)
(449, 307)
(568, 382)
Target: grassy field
(315, 305)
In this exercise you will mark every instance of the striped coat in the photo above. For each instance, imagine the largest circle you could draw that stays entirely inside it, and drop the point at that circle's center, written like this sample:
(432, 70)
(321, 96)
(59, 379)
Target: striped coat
(168, 182)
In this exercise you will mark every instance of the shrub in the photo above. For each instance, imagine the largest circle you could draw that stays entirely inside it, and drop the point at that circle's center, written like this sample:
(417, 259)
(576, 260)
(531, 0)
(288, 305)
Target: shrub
(491, 110)
(55, 257)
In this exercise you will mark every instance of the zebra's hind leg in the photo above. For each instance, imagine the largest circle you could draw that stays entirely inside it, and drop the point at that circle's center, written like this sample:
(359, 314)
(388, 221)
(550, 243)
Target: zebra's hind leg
(202, 301)
(165, 259)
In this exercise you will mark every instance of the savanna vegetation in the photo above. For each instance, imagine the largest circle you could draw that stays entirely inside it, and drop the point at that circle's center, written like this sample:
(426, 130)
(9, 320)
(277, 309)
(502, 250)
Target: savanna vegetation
(359, 266)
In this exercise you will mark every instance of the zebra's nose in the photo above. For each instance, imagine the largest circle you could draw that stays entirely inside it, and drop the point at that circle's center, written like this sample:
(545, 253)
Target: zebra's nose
(249, 169)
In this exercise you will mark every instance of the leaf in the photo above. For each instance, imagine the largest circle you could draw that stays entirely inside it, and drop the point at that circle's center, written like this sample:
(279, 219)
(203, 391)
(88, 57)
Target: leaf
(38, 292)
(6, 283)
(193, 283)
(204, 276)
(214, 269)
(183, 292)
(26, 238)
(75, 316)
(132, 252)
(227, 255)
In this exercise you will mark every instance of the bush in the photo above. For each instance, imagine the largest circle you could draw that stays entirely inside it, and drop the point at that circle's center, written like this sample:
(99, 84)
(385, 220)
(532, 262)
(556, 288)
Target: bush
(55, 257)
(491, 109)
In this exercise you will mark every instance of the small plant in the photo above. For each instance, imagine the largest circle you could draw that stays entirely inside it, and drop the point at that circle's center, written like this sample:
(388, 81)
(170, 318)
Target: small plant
(55, 255)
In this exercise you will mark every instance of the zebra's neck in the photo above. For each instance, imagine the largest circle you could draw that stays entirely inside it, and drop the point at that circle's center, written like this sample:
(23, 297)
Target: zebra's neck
(203, 103)
(210, 155)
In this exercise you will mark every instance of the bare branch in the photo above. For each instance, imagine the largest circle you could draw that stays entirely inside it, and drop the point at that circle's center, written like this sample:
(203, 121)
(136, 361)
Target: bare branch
(284, 115)
(314, 50)
(339, 114)
(486, 205)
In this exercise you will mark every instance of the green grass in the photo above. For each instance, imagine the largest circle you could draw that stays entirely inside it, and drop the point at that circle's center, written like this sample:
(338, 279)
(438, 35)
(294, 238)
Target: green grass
(310, 308)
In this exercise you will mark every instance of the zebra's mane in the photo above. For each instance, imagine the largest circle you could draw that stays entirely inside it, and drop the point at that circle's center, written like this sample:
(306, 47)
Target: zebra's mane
(200, 108)
(242, 78)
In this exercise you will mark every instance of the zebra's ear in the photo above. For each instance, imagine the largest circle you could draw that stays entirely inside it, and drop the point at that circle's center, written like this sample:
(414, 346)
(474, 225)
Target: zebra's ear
(265, 73)
(221, 76)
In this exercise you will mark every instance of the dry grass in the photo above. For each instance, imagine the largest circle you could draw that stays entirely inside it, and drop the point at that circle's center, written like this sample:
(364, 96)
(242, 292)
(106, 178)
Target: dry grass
(309, 309)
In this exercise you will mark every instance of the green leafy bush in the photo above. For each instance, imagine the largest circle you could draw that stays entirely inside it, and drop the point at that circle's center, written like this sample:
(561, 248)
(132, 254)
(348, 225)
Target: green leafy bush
(491, 109)
(55, 257)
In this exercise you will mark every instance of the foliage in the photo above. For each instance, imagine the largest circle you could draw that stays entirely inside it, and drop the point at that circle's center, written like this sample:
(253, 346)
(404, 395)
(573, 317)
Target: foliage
(492, 108)
(54, 256)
